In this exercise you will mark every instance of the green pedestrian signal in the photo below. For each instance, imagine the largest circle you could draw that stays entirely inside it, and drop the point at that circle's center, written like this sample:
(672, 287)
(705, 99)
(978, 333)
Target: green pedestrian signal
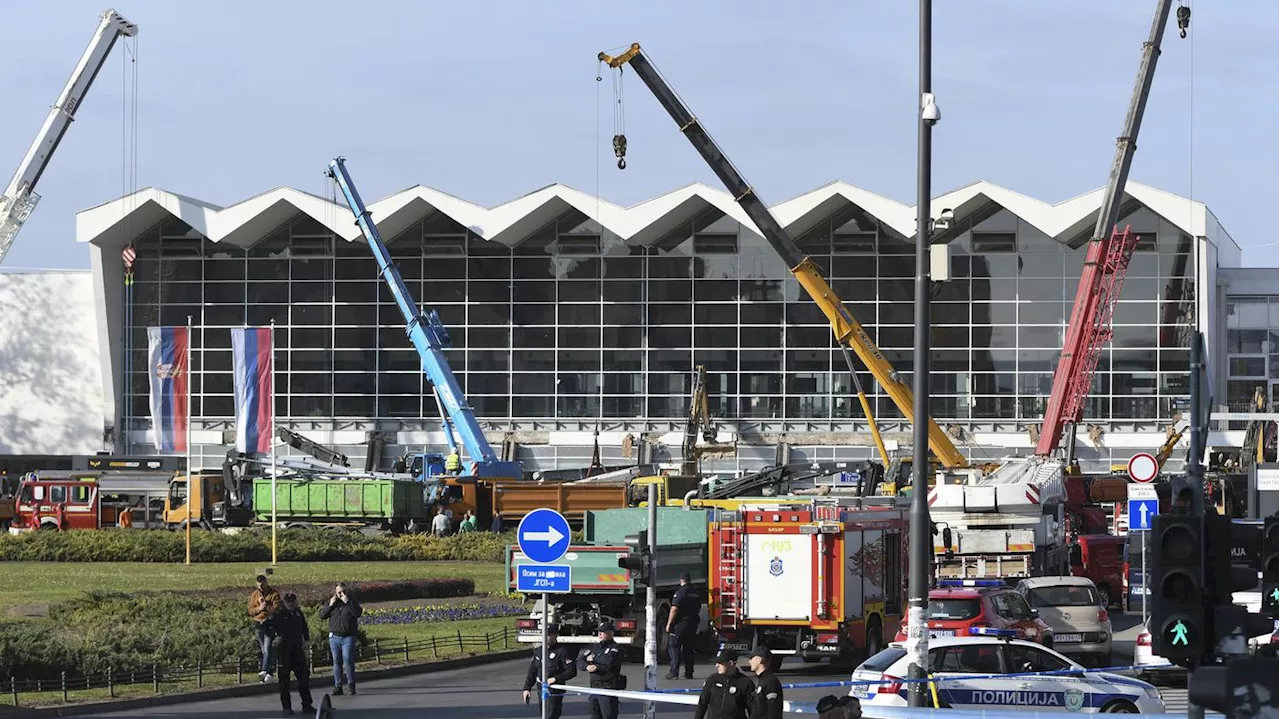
(1275, 594)
(1180, 633)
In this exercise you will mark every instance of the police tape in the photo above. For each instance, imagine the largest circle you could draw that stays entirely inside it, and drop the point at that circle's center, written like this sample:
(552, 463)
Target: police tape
(939, 680)
(868, 711)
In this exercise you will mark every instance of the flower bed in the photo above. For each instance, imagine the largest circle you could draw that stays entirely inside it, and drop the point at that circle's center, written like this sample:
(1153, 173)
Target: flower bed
(441, 613)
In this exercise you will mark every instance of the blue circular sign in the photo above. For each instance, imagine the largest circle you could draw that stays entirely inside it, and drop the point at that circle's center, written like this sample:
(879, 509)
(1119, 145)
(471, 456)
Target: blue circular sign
(543, 535)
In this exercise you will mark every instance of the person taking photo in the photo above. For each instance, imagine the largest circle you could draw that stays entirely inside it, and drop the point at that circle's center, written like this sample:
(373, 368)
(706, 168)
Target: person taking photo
(343, 613)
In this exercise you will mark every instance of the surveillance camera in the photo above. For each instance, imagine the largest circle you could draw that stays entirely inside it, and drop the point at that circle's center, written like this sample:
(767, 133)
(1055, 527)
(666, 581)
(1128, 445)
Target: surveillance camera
(929, 109)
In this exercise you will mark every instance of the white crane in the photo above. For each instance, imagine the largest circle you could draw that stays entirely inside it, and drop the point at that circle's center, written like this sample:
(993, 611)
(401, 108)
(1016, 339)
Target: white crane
(19, 196)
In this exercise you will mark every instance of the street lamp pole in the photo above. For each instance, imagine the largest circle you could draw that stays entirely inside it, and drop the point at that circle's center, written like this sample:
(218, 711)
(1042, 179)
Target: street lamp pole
(920, 539)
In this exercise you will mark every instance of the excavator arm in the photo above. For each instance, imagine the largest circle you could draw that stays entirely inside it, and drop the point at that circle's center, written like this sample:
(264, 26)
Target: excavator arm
(848, 332)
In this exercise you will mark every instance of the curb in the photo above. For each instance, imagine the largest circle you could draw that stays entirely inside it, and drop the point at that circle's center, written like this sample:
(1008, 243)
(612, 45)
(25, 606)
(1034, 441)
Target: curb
(247, 690)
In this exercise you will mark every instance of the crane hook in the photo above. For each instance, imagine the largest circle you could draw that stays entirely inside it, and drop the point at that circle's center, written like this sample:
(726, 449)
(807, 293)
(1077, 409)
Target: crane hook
(620, 150)
(1184, 20)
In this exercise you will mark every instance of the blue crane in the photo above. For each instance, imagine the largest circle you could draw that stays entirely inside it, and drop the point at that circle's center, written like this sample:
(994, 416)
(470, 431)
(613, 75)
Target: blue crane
(430, 337)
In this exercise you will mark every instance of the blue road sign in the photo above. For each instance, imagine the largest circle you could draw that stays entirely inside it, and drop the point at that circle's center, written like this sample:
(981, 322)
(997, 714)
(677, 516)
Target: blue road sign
(550, 578)
(543, 535)
(1141, 514)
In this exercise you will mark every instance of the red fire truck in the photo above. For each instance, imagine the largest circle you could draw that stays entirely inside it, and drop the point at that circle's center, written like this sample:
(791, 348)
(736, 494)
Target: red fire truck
(89, 500)
(812, 580)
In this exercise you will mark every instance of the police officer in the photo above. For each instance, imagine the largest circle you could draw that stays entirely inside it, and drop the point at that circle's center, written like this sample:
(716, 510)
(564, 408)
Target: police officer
(603, 662)
(682, 627)
(767, 701)
(727, 693)
(560, 669)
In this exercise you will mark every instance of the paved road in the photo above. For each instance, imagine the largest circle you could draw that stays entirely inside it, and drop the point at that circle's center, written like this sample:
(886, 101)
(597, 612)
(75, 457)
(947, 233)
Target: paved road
(489, 692)
(492, 692)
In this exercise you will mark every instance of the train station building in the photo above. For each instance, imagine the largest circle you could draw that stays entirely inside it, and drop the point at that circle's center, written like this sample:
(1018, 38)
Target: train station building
(576, 321)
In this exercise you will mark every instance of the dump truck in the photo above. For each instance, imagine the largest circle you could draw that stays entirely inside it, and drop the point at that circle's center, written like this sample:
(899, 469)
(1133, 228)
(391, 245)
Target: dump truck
(602, 589)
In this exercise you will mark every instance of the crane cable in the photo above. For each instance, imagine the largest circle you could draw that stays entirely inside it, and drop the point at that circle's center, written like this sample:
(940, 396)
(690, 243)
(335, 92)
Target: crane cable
(129, 184)
(1184, 21)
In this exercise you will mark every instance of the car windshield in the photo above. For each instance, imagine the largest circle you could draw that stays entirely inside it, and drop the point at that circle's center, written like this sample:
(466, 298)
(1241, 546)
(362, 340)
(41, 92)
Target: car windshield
(883, 660)
(954, 609)
(1064, 596)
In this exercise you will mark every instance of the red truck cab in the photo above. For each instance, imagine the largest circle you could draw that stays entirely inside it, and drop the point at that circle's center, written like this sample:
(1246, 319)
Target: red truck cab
(62, 501)
(1100, 557)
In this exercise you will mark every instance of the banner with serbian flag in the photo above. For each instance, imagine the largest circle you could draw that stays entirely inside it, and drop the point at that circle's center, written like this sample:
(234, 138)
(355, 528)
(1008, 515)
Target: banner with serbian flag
(168, 359)
(252, 365)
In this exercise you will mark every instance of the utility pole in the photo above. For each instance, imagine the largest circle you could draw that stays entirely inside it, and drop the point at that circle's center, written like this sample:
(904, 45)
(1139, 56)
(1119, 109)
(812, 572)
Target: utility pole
(920, 540)
(651, 607)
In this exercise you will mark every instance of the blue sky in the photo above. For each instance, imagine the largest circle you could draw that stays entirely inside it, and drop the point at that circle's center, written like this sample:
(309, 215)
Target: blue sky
(493, 100)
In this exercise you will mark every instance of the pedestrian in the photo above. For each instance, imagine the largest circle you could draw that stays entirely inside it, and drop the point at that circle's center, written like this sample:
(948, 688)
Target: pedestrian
(453, 464)
(727, 693)
(560, 669)
(767, 701)
(293, 639)
(495, 525)
(468, 523)
(603, 661)
(343, 613)
(263, 602)
(440, 523)
(682, 627)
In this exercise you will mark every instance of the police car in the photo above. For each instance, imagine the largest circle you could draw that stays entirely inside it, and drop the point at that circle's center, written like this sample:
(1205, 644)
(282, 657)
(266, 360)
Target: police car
(973, 673)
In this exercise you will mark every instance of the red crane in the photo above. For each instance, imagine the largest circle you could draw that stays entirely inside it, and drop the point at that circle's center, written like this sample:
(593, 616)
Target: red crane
(1106, 262)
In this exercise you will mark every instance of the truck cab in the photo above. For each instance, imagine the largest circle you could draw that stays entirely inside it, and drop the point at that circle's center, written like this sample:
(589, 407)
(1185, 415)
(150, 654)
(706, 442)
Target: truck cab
(205, 502)
(1100, 557)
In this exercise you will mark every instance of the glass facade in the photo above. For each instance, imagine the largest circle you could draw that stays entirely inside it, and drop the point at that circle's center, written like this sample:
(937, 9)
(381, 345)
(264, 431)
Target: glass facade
(1253, 341)
(574, 324)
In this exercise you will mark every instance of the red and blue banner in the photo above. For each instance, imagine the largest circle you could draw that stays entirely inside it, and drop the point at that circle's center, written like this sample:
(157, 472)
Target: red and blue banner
(168, 353)
(252, 365)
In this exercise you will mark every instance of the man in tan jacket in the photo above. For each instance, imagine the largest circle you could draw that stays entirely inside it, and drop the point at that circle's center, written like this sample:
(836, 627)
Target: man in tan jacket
(263, 602)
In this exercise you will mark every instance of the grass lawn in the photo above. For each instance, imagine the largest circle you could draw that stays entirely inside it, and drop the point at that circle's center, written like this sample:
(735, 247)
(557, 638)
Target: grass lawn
(31, 586)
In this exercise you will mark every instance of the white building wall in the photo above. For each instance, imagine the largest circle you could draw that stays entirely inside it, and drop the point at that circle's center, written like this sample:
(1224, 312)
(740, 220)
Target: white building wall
(51, 396)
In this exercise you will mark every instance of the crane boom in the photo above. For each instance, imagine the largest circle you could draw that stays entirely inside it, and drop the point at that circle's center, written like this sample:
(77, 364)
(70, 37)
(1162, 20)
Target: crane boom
(848, 331)
(19, 197)
(1106, 262)
(430, 338)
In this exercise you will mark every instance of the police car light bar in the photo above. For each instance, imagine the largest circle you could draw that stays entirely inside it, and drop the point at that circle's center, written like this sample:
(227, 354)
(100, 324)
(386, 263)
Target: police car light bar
(993, 632)
(971, 583)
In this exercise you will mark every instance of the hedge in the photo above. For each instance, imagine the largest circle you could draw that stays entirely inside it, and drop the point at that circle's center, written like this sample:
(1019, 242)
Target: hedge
(132, 633)
(250, 545)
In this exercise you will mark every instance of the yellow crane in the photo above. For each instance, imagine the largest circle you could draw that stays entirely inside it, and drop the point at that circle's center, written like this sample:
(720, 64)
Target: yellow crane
(849, 333)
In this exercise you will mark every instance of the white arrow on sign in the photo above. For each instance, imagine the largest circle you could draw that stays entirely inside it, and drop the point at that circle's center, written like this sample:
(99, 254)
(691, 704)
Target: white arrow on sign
(551, 536)
(1142, 511)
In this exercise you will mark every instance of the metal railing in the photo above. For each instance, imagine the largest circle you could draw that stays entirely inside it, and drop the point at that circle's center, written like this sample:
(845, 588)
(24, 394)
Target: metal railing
(158, 679)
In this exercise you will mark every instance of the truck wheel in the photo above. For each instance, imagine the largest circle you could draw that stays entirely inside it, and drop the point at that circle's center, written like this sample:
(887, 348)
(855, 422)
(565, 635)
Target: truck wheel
(1104, 591)
(875, 638)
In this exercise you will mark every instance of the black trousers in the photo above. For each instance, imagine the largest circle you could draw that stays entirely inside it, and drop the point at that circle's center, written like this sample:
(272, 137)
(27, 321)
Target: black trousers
(555, 703)
(603, 707)
(294, 659)
(680, 647)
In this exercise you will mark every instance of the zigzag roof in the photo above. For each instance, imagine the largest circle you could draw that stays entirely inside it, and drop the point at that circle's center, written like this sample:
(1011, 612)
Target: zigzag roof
(117, 222)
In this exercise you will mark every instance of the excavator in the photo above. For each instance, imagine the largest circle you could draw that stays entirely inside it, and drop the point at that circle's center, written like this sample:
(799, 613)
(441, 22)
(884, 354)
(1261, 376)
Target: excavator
(850, 336)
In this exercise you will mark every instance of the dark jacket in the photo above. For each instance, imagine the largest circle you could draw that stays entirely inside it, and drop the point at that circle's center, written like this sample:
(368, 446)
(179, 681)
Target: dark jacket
(607, 656)
(342, 616)
(688, 604)
(725, 696)
(766, 703)
(290, 627)
(560, 665)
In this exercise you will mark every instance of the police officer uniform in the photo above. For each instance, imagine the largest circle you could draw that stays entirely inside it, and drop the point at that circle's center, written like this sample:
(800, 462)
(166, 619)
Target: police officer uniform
(727, 693)
(766, 703)
(606, 657)
(686, 608)
(560, 667)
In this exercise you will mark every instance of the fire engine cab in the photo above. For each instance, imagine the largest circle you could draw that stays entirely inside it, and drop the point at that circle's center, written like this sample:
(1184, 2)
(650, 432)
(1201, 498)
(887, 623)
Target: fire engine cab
(818, 579)
(88, 500)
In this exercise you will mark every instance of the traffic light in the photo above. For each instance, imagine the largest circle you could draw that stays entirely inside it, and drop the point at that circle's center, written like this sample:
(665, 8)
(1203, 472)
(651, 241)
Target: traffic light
(1267, 564)
(1240, 688)
(1178, 593)
(636, 560)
